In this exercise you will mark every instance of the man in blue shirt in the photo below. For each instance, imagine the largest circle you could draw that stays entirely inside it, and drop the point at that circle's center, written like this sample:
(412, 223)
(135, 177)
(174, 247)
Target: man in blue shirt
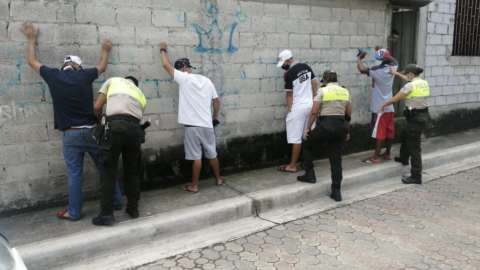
(72, 95)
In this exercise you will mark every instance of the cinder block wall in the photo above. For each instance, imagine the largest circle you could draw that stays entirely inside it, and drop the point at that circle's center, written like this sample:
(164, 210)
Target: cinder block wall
(235, 43)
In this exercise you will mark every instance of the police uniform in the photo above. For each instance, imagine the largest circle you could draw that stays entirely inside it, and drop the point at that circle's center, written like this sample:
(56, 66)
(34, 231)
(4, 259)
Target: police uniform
(122, 136)
(418, 118)
(331, 128)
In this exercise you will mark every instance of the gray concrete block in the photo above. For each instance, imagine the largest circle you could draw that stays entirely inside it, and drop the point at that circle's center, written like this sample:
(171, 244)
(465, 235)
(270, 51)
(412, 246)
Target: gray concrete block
(33, 11)
(431, 61)
(158, 139)
(182, 37)
(437, 71)
(118, 34)
(153, 72)
(474, 79)
(366, 28)
(452, 99)
(3, 31)
(359, 15)
(238, 115)
(274, 126)
(185, 5)
(255, 70)
(264, 25)
(340, 14)
(276, 98)
(440, 100)
(436, 18)
(252, 9)
(280, 112)
(8, 72)
(9, 194)
(358, 41)
(21, 134)
(464, 79)
(448, 19)
(158, 106)
(441, 29)
(102, 15)
(252, 100)
(11, 154)
(66, 12)
(11, 114)
(53, 134)
(46, 32)
(92, 54)
(38, 113)
(44, 151)
(299, 12)
(453, 80)
(447, 40)
(229, 7)
(56, 54)
(276, 40)
(376, 16)
(256, 40)
(331, 55)
(440, 50)
(135, 54)
(170, 121)
(262, 114)
(24, 94)
(57, 168)
(134, 16)
(435, 91)
(268, 56)
(348, 28)
(320, 41)
(321, 13)
(449, 70)
(459, 70)
(430, 28)
(341, 41)
(329, 27)
(151, 35)
(471, 97)
(443, 8)
(375, 40)
(279, 11)
(4, 10)
(84, 34)
(341, 68)
(164, 18)
(25, 172)
(299, 41)
(465, 61)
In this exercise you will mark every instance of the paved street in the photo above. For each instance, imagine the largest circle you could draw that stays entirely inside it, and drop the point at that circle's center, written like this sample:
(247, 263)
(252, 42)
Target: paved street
(432, 226)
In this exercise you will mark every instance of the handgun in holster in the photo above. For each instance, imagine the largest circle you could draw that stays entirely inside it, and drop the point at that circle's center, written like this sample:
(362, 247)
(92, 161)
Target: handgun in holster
(409, 111)
(143, 127)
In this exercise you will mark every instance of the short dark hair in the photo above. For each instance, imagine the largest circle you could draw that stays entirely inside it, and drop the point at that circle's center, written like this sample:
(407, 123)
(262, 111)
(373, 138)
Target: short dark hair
(131, 78)
(395, 32)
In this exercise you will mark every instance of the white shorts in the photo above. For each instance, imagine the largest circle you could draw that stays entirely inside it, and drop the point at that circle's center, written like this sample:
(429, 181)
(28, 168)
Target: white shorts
(198, 138)
(296, 123)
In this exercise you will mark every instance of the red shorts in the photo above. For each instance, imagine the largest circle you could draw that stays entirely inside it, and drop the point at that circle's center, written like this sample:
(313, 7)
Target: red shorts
(383, 126)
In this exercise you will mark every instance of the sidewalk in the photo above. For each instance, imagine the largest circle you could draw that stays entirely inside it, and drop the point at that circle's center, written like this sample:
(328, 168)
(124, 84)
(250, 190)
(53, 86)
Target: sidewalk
(170, 212)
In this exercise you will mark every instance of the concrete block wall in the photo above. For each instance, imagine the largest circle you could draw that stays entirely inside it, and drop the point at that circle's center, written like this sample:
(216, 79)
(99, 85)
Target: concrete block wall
(235, 43)
(454, 80)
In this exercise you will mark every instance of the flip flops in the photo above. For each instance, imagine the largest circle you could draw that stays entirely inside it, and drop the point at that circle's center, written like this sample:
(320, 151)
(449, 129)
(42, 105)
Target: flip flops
(370, 160)
(185, 189)
(385, 157)
(223, 182)
(284, 169)
(61, 215)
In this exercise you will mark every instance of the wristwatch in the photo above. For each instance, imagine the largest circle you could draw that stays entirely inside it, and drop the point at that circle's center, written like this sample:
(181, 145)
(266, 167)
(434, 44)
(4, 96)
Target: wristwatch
(163, 50)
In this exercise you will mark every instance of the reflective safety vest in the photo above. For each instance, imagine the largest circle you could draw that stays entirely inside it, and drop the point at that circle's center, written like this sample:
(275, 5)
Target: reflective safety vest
(120, 87)
(335, 93)
(421, 90)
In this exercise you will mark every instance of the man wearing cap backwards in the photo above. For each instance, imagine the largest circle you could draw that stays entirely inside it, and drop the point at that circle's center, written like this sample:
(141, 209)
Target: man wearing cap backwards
(333, 103)
(72, 96)
(382, 123)
(121, 136)
(300, 84)
(415, 93)
(196, 93)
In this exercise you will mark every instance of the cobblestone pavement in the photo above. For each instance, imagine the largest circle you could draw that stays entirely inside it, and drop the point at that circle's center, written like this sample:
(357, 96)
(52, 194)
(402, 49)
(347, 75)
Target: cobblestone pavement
(430, 226)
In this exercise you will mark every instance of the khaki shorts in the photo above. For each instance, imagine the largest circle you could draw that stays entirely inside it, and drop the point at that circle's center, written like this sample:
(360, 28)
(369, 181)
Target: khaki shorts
(198, 138)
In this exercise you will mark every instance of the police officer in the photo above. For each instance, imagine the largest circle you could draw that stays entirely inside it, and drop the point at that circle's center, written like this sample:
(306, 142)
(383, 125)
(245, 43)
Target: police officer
(122, 136)
(333, 104)
(416, 94)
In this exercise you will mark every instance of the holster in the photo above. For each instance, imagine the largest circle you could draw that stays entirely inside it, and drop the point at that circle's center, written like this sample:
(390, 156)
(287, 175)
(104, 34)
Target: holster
(409, 112)
(99, 129)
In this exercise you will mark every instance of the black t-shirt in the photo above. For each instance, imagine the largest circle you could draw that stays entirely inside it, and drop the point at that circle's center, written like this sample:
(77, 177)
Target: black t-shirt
(299, 80)
(72, 95)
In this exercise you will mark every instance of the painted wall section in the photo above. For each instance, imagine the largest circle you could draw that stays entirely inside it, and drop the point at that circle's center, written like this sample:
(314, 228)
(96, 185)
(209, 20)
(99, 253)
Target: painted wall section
(235, 43)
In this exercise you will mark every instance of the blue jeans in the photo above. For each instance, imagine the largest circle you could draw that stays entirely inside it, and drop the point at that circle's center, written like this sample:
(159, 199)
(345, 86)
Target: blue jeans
(75, 144)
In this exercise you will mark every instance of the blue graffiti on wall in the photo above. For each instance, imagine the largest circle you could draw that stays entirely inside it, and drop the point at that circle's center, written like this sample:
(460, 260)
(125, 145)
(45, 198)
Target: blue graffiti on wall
(205, 35)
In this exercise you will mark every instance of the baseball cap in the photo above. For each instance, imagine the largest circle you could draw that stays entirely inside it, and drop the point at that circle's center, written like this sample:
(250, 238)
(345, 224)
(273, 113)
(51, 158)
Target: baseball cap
(382, 54)
(284, 56)
(73, 58)
(329, 75)
(412, 68)
(182, 62)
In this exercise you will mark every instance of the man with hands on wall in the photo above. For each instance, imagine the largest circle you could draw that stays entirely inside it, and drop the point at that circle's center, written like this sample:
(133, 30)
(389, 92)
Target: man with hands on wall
(72, 95)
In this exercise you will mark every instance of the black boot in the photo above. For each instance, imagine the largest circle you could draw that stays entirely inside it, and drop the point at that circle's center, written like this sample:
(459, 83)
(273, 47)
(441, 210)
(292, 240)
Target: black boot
(308, 177)
(404, 161)
(336, 195)
(133, 213)
(102, 220)
(412, 180)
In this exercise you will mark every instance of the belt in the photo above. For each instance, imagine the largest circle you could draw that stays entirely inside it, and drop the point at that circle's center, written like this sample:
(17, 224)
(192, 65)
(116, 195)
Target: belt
(73, 128)
(190, 126)
(422, 110)
(332, 118)
(124, 117)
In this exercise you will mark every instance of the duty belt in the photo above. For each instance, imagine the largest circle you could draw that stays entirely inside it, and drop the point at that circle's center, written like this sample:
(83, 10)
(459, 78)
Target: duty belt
(124, 117)
(332, 118)
(422, 110)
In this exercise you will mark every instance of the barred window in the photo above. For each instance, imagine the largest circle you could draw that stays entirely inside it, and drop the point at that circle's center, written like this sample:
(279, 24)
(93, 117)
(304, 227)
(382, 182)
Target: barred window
(466, 37)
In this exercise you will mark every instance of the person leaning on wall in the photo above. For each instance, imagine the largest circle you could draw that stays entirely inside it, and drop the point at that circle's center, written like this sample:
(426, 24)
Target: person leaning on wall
(72, 95)
(415, 93)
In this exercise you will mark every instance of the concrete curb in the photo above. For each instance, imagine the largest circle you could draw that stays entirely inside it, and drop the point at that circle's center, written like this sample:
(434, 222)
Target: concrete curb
(97, 243)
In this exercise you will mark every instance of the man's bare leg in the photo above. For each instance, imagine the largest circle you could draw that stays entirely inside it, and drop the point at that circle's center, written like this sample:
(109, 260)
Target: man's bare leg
(293, 161)
(378, 148)
(216, 170)
(196, 168)
(387, 154)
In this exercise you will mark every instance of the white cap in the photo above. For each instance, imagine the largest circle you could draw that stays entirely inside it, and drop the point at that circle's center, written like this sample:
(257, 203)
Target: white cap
(73, 58)
(284, 56)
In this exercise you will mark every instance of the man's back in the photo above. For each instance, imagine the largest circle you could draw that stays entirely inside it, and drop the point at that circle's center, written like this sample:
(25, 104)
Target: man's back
(196, 94)
(72, 96)
(382, 82)
(299, 79)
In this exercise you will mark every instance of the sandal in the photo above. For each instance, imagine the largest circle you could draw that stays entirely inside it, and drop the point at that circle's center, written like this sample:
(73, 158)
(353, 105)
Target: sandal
(386, 157)
(61, 215)
(185, 189)
(223, 182)
(284, 169)
(370, 160)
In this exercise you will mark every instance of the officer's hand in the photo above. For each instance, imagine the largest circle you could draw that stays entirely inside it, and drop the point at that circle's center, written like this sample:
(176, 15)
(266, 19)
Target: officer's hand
(362, 55)
(347, 137)
(306, 134)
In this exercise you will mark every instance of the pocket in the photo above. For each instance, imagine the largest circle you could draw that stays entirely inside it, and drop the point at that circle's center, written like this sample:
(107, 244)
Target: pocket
(118, 126)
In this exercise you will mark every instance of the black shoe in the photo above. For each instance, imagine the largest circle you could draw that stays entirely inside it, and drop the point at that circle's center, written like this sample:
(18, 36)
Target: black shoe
(101, 220)
(401, 160)
(133, 213)
(308, 177)
(411, 180)
(117, 207)
(336, 195)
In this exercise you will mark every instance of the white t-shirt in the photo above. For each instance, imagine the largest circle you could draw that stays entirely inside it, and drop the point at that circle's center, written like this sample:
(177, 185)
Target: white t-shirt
(382, 85)
(196, 94)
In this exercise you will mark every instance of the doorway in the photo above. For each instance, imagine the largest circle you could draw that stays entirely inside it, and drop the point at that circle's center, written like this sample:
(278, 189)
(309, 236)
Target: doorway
(405, 21)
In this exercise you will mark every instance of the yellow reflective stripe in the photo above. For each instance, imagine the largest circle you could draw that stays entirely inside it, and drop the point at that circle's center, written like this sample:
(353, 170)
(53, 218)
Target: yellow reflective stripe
(126, 87)
(421, 90)
(335, 93)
